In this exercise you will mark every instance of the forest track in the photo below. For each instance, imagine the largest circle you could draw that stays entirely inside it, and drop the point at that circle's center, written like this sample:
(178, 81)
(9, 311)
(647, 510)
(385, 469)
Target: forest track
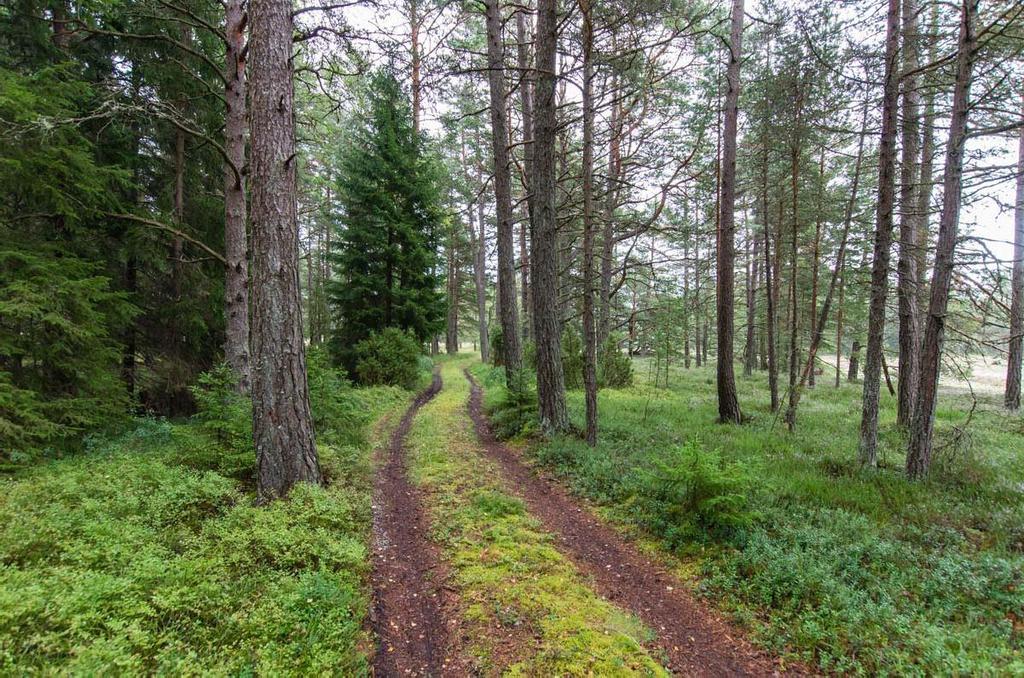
(694, 640)
(412, 613)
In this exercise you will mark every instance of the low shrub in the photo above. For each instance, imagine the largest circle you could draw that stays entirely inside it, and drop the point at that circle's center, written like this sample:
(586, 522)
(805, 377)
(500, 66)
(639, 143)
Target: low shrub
(692, 494)
(614, 368)
(388, 358)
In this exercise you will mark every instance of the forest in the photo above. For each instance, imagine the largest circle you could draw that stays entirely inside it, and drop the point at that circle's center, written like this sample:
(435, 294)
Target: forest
(534, 338)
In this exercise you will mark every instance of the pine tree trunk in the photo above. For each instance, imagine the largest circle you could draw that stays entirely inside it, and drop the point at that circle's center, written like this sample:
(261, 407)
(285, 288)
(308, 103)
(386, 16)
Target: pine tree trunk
(769, 288)
(503, 197)
(282, 424)
(236, 275)
(728, 401)
(906, 266)
(611, 199)
(854, 368)
(794, 308)
(547, 323)
(1013, 361)
(883, 242)
(815, 261)
(589, 328)
(480, 281)
(753, 276)
(451, 336)
(523, 36)
(919, 452)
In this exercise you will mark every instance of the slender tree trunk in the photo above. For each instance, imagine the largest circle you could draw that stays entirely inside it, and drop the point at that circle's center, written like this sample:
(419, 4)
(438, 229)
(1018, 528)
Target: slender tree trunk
(451, 336)
(611, 200)
(794, 308)
(686, 297)
(523, 36)
(883, 242)
(1013, 361)
(839, 321)
(480, 281)
(926, 182)
(547, 326)
(589, 328)
(753, 278)
(415, 63)
(854, 367)
(769, 282)
(815, 262)
(282, 424)
(236, 250)
(509, 312)
(819, 326)
(919, 451)
(728, 402)
(906, 265)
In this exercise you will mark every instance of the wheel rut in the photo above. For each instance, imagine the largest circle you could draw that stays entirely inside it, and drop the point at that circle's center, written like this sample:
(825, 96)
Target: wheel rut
(413, 615)
(694, 640)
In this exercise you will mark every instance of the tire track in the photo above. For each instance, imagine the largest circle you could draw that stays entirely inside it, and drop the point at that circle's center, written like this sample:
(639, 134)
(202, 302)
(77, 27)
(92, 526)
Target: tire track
(412, 615)
(695, 641)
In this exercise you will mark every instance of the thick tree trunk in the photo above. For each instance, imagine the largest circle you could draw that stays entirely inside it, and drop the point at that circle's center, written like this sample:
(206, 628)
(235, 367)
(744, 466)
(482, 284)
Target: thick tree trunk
(728, 401)
(236, 250)
(509, 314)
(919, 452)
(868, 447)
(1013, 361)
(282, 424)
(589, 328)
(547, 326)
(906, 266)
(523, 36)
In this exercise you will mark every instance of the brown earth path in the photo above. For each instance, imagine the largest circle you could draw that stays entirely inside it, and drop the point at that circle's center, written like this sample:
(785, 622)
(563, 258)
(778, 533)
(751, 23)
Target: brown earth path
(695, 640)
(413, 614)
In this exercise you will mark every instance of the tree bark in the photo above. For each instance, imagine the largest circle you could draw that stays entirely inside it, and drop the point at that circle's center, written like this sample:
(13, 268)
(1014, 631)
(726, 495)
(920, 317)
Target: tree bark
(868, 446)
(728, 401)
(236, 272)
(509, 313)
(282, 424)
(854, 367)
(523, 36)
(769, 286)
(451, 336)
(610, 202)
(1013, 362)
(547, 324)
(906, 266)
(753, 276)
(919, 452)
(479, 244)
(589, 328)
(815, 262)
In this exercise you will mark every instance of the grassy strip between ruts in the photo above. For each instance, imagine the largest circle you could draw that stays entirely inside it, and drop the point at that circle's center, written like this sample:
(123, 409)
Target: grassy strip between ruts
(854, 572)
(527, 610)
(147, 556)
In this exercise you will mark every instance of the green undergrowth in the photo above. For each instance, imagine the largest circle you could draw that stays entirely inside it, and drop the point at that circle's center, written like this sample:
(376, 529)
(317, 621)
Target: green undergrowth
(528, 609)
(146, 555)
(847, 570)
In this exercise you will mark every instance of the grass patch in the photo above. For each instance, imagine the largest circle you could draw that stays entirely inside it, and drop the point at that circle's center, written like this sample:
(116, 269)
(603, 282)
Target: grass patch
(529, 610)
(147, 555)
(852, 571)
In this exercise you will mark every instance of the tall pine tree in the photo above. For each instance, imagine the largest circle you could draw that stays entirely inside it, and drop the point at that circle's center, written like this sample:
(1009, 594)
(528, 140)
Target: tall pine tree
(385, 259)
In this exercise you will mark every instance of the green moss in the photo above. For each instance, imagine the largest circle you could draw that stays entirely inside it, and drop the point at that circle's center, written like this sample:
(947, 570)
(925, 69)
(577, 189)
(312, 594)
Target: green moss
(509, 573)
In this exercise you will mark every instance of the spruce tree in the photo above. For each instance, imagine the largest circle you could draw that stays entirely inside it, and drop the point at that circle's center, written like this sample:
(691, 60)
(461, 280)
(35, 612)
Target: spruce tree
(384, 258)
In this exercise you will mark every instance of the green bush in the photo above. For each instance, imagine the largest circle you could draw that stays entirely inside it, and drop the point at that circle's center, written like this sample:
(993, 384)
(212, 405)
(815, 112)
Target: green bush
(388, 358)
(337, 412)
(691, 494)
(221, 411)
(614, 368)
(497, 346)
(572, 358)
